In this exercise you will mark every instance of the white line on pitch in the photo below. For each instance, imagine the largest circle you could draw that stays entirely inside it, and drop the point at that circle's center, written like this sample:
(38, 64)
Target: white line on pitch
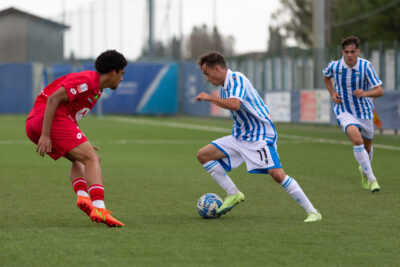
(228, 131)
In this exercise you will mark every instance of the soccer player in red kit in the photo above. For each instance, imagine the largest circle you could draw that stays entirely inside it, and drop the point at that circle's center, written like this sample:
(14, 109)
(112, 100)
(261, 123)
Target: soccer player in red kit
(52, 125)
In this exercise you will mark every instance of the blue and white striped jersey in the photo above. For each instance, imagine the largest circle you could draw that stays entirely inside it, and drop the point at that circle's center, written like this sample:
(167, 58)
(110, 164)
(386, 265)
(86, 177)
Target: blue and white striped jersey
(252, 121)
(346, 80)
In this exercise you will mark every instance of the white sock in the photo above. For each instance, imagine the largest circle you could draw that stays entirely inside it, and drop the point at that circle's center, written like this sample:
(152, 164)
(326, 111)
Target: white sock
(294, 190)
(363, 159)
(82, 193)
(99, 204)
(218, 173)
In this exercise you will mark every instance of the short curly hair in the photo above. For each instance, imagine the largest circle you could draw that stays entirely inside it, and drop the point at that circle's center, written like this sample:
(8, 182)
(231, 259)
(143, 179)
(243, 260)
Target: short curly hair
(212, 59)
(110, 60)
(351, 40)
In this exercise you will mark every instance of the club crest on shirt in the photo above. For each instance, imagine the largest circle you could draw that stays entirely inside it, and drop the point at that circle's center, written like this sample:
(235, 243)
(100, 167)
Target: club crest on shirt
(73, 91)
(82, 88)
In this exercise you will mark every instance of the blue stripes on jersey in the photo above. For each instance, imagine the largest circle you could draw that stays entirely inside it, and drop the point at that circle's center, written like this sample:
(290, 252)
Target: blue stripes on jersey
(251, 121)
(347, 80)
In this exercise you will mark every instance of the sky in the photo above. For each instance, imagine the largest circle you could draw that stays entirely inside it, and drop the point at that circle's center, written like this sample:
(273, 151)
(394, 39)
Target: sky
(97, 25)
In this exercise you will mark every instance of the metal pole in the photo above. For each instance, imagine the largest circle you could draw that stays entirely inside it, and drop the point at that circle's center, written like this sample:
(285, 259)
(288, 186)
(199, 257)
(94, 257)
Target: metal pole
(318, 41)
(150, 41)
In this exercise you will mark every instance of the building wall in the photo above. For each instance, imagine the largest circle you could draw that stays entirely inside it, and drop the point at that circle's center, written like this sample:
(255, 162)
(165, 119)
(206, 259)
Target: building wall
(12, 38)
(45, 42)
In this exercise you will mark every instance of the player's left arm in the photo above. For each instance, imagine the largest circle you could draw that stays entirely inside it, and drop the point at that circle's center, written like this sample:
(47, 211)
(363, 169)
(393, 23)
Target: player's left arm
(374, 92)
(44, 144)
(226, 103)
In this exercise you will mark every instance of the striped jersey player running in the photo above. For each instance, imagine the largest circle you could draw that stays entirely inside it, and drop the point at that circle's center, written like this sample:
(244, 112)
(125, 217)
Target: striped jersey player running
(253, 138)
(353, 84)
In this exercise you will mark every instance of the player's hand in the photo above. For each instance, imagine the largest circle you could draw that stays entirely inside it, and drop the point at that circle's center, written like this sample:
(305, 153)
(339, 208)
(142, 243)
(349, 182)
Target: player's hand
(359, 93)
(336, 98)
(95, 147)
(202, 96)
(44, 145)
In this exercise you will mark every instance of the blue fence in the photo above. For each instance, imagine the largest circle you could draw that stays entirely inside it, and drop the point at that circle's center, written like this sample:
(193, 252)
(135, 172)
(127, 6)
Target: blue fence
(169, 89)
(16, 88)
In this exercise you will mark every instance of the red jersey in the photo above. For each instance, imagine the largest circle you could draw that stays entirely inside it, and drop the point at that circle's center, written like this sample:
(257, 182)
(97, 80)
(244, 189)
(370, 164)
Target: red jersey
(83, 92)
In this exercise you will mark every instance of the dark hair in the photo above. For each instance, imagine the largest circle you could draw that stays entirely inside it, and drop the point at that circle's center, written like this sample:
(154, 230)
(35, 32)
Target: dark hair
(110, 60)
(351, 40)
(211, 59)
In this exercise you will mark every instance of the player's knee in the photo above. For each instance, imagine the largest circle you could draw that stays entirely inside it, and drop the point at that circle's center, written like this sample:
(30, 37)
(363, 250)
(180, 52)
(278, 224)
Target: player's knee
(358, 142)
(90, 157)
(201, 156)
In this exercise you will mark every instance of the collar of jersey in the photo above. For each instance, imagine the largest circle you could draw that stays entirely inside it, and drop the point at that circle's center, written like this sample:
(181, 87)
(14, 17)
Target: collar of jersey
(227, 78)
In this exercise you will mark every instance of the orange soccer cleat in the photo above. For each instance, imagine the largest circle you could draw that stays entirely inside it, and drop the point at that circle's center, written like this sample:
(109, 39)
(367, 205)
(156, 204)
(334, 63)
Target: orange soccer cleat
(103, 216)
(85, 204)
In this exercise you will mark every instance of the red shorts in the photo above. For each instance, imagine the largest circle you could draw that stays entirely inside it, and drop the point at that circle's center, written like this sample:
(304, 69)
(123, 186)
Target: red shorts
(65, 134)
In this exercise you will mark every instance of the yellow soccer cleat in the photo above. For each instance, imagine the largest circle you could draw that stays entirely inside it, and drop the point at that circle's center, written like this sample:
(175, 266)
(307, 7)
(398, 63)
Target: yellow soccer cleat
(230, 202)
(313, 217)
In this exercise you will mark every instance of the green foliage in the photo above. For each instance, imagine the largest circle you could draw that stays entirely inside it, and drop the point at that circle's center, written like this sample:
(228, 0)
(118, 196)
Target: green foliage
(152, 182)
(370, 20)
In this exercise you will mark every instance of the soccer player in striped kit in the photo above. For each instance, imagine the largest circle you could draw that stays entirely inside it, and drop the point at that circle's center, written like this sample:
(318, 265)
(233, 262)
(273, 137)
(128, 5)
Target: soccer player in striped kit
(253, 138)
(353, 84)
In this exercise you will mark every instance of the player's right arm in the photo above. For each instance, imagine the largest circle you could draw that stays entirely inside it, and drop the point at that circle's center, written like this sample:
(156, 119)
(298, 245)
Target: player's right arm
(329, 85)
(226, 103)
(44, 145)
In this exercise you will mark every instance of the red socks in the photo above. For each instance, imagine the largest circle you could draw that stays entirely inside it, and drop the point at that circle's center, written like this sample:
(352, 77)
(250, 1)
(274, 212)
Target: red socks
(96, 192)
(80, 187)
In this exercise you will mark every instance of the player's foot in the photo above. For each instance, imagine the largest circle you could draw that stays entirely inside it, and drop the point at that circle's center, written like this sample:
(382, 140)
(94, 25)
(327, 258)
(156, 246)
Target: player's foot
(313, 217)
(103, 216)
(85, 204)
(375, 186)
(230, 202)
(364, 180)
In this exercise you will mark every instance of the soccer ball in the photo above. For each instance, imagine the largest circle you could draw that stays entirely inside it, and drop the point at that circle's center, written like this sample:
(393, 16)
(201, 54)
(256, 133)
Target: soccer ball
(208, 205)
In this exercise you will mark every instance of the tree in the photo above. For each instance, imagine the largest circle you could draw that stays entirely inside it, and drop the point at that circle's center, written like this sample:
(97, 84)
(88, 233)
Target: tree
(370, 20)
(298, 26)
(276, 43)
(201, 40)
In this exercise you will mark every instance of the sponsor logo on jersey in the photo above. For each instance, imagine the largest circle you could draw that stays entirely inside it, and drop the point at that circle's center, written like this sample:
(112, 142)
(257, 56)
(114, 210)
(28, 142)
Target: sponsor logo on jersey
(73, 91)
(82, 88)
(81, 113)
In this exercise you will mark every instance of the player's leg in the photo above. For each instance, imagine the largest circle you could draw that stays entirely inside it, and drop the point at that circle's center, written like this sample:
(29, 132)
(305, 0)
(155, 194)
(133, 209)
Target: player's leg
(362, 156)
(208, 156)
(370, 184)
(369, 148)
(80, 187)
(294, 190)
(85, 154)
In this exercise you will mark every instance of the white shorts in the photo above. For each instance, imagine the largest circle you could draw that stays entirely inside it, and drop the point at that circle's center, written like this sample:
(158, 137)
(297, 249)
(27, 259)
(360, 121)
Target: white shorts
(366, 127)
(259, 156)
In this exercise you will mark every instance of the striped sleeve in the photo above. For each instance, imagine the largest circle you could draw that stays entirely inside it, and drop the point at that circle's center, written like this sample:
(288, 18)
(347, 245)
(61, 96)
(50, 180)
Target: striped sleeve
(237, 89)
(328, 73)
(373, 79)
